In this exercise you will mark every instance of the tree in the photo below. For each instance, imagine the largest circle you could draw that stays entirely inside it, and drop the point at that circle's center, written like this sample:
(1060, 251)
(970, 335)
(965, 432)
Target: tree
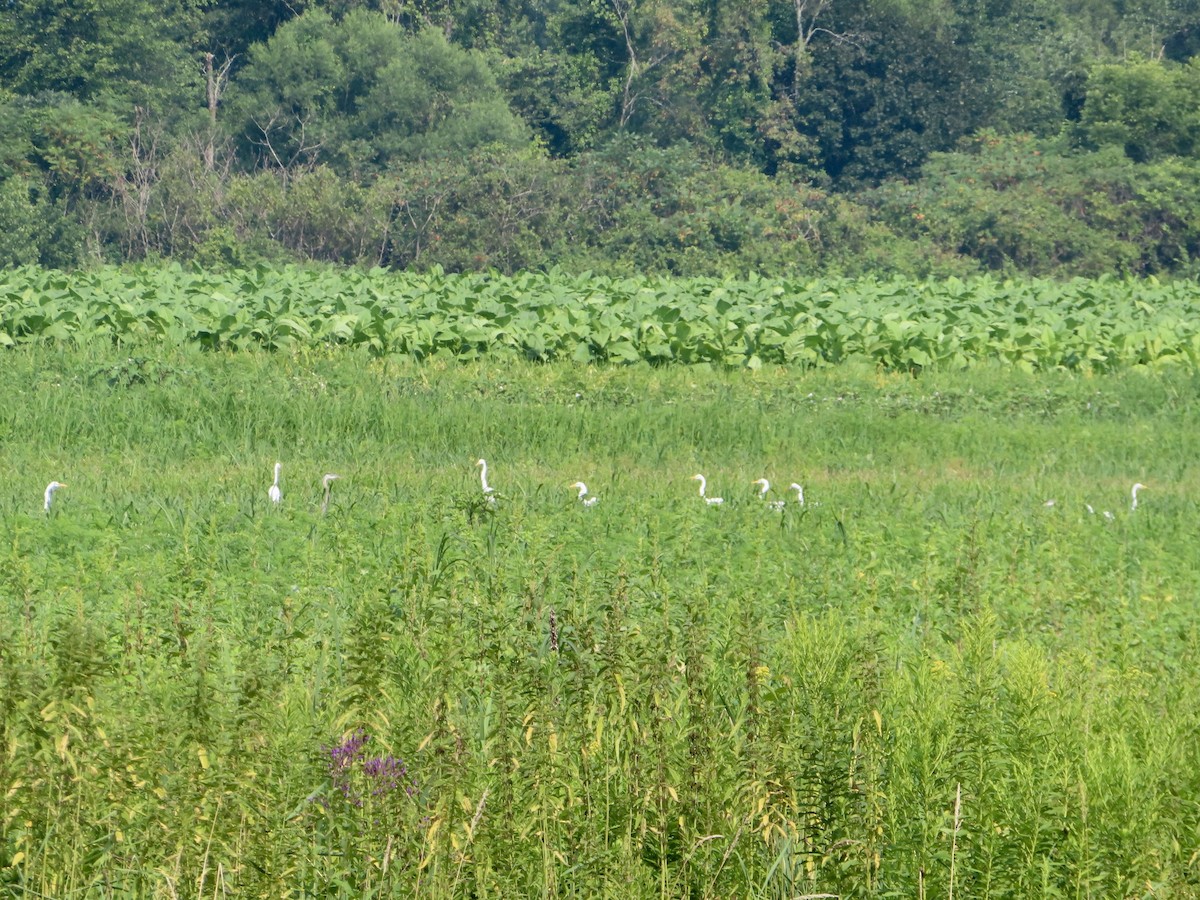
(1149, 108)
(118, 53)
(360, 94)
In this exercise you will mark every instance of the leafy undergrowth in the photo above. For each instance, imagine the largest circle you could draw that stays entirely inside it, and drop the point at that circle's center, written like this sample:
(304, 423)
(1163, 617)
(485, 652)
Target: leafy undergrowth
(924, 681)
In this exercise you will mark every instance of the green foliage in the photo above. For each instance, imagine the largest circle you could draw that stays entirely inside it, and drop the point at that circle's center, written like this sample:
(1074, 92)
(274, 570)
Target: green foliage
(69, 144)
(35, 228)
(115, 53)
(1149, 108)
(729, 323)
(1017, 204)
(361, 94)
(19, 223)
(922, 680)
(680, 137)
(673, 211)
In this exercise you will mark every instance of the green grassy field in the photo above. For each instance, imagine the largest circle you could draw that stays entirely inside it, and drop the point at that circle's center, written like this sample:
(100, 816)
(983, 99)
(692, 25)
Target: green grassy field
(923, 683)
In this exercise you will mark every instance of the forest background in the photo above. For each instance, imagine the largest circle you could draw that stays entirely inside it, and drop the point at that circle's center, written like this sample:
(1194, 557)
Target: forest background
(917, 137)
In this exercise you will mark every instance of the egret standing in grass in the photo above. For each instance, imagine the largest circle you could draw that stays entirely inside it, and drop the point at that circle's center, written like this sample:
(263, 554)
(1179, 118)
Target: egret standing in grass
(762, 494)
(274, 492)
(711, 501)
(327, 483)
(48, 497)
(1133, 495)
(799, 492)
(583, 497)
(489, 492)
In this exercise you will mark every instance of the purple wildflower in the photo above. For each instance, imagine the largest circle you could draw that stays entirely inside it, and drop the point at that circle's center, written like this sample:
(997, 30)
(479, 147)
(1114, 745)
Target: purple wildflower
(355, 775)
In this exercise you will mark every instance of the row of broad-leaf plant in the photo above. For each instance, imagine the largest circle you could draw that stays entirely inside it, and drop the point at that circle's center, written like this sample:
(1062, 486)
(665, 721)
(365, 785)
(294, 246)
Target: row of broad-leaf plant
(1102, 324)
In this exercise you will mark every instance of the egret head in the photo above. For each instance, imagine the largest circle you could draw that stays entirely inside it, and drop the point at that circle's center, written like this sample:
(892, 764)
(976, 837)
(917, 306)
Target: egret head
(329, 479)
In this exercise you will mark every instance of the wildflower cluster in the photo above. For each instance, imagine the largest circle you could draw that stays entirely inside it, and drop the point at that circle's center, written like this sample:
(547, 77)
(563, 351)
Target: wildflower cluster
(356, 776)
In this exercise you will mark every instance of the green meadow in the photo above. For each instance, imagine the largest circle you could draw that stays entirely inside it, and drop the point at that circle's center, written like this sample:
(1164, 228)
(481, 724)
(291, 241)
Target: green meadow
(924, 682)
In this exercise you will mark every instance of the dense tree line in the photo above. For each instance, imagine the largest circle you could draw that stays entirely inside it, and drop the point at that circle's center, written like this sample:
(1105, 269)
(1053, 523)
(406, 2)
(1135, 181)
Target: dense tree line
(682, 136)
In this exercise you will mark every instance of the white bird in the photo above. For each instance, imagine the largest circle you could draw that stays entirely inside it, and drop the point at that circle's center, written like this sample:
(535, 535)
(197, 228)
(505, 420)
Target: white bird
(762, 495)
(49, 495)
(711, 501)
(482, 463)
(488, 491)
(799, 492)
(1133, 495)
(274, 492)
(327, 483)
(583, 497)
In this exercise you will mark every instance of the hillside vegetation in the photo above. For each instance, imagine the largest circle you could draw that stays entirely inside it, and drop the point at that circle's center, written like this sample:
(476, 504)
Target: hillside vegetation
(683, 137)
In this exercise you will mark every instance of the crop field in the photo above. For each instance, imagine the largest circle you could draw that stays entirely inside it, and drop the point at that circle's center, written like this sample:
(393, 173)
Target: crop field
(925, 681)
(901, 325)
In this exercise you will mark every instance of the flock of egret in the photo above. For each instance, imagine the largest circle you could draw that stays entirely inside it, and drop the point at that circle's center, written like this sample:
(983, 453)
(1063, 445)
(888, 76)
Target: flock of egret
(778, 504)
(588, 499)
(1133, 502)
(275, 492)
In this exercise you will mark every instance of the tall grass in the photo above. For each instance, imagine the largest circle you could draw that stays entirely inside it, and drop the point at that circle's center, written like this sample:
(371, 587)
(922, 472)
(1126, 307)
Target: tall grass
(923, 683)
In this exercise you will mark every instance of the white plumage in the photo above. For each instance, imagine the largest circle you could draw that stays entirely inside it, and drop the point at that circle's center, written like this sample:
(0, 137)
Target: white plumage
(274, 491)
(583, 497)
(711, 501)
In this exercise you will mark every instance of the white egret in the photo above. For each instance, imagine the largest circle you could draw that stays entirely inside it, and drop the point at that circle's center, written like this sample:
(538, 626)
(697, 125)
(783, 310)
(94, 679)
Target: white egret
(711, 501)
(799, 492)
(48, 497)
(274, 492)
(1133, 495)
(482, 463)
(327, 483)
(489, 492)
(583, 497)
(762, 495)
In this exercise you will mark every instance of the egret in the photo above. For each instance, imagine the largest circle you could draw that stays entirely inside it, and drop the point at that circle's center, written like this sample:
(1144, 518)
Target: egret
(275, 493)
(711, 501)
(488, 491)
(49, 495)
(482, 463)
(762, 495)
(799, 492)
(1133, 495)
(327, 483)
(583, 497)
